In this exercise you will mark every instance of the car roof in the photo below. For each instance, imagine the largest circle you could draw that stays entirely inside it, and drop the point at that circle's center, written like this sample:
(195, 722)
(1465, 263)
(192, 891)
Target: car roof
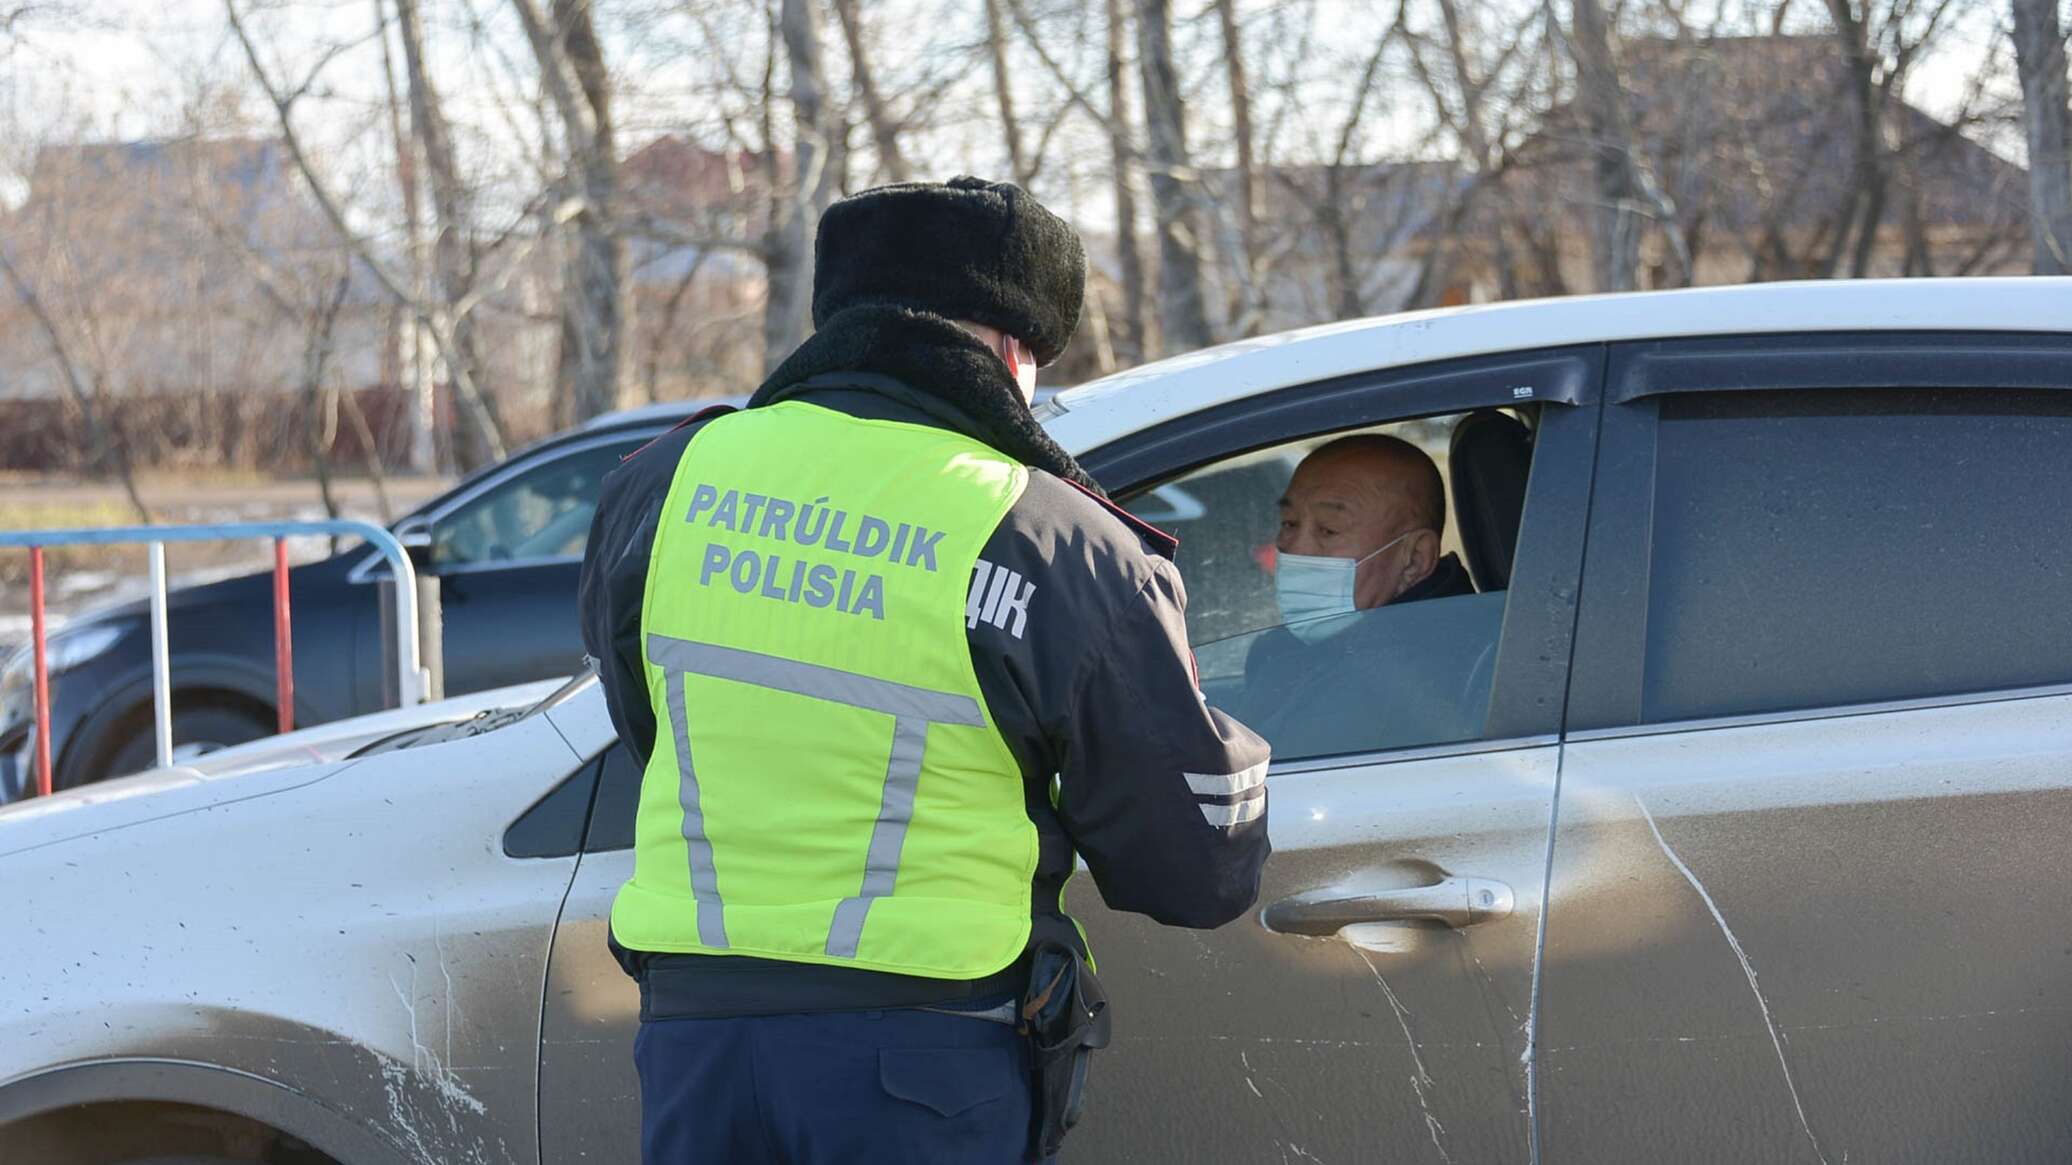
(1115, 406)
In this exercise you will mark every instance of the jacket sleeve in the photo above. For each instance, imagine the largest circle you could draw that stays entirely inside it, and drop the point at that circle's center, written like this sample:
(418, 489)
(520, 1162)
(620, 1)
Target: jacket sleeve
(1163, 795)
(613, 583)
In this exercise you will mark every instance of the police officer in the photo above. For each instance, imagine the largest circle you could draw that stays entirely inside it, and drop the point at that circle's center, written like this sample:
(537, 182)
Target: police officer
(891, 659)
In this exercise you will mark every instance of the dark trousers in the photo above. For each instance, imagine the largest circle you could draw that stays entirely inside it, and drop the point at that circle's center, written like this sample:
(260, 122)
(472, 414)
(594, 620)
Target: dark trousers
(834, 1088)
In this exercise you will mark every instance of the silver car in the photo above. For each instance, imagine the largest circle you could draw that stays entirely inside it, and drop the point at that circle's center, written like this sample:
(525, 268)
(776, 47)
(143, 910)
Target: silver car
(1721, 819)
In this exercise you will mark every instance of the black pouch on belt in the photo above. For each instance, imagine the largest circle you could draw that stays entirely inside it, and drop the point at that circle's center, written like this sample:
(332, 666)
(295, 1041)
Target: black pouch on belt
(1065, 1015)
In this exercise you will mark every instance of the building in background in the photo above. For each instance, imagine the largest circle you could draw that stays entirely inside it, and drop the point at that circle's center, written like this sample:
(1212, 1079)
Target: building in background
(1756, 141)
(181, 291)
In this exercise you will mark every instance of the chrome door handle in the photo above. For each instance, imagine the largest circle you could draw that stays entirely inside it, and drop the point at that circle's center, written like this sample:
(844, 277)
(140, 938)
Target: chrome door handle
(1456, 902)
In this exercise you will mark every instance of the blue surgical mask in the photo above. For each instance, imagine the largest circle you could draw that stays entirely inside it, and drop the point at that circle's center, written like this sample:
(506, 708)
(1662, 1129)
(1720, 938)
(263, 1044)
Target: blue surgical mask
(1315, 590)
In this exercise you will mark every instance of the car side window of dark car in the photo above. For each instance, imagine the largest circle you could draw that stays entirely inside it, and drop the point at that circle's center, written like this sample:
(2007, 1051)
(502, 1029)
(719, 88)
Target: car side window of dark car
(1817, 548)
(541, 513)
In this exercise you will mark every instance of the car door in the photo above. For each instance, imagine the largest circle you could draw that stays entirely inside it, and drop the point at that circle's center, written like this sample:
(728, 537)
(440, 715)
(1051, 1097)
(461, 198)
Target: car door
(1810, 893)
(508, 556)
(1377, 1005)
(1386, 1014)
(589, 1093)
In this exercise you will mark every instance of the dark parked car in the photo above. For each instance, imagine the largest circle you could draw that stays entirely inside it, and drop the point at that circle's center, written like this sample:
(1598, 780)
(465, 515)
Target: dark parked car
(504, 544)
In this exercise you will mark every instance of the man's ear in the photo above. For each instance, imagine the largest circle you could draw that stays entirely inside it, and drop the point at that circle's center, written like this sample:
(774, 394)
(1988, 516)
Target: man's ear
(1016, 354)
(1422, 559)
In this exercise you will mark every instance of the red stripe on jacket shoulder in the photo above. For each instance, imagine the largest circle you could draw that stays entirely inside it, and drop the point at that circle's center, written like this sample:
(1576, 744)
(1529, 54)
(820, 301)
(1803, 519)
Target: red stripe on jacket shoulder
(687, 422)
(1162, 543)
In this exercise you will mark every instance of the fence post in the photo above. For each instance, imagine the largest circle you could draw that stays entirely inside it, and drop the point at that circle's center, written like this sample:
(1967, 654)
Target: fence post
(431, 633)
(37, 633)
(283, 641)
(161, 661)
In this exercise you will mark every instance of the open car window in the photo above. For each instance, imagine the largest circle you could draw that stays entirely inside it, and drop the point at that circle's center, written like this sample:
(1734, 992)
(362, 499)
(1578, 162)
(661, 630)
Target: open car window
(1417, 671)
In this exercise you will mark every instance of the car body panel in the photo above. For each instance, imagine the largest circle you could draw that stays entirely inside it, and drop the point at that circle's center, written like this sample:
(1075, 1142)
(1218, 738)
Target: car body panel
(1823, 919)
(1402, 1041)
(1797, 940)
(420, 1021)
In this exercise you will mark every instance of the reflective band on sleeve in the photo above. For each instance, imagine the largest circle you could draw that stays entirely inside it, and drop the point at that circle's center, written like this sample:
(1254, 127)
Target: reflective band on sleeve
(811, 679)
(1237, 813)
(712, 925)
(1226, 784)
(888, 836)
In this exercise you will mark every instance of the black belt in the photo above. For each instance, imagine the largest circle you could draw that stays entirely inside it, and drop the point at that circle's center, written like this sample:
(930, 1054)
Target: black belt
(721, 986)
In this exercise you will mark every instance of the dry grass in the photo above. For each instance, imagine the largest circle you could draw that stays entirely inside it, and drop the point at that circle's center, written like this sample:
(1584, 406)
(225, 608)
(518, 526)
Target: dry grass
(22, 514)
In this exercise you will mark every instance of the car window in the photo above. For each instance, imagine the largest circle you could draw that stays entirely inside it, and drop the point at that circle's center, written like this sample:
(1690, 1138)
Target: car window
(1413, 671)
(1836, 547)
(618, 801)
(542, 512)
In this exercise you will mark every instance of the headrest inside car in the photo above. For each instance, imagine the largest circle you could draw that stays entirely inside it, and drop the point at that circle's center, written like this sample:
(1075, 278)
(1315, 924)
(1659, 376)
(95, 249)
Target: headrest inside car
(1489, 458)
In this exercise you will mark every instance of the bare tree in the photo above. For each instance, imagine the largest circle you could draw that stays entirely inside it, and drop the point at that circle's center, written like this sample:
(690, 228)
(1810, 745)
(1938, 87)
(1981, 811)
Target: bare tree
(884, 130)
(1003, 93)
(1881, 40)
(571, 65)
(315, 311)
(454, 259)
(2039, 46)
(1482, 87)
(1626, 192)
(107, 443)
(321, 401)
(796, 205)
(479, 424)
(1335, 194)
(417, 356)
(1183, 323)
(1129, 341)
(1247, 171)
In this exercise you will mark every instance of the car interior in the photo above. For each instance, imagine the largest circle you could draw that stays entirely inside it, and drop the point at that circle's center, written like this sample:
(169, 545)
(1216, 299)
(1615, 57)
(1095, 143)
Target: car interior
(1402, 675)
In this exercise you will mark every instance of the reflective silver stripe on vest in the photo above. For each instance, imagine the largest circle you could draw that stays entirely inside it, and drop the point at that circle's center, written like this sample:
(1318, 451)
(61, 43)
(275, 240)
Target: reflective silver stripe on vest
(811, 679)
(912, 709)
(712, 919)
(888, 836)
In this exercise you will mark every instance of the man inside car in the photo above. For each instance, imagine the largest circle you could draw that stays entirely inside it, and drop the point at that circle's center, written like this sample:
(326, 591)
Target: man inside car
(1360, 529)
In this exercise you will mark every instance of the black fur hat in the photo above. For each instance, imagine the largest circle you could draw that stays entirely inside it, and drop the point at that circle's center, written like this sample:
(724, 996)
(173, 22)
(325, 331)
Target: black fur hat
(966, 249)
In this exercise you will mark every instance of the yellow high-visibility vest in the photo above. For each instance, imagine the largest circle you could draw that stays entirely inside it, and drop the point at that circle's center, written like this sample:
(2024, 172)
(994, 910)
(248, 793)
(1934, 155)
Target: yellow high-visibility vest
(827, 785)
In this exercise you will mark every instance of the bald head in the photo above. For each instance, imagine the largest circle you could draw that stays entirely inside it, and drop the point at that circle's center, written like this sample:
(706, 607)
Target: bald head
(1359, 494)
